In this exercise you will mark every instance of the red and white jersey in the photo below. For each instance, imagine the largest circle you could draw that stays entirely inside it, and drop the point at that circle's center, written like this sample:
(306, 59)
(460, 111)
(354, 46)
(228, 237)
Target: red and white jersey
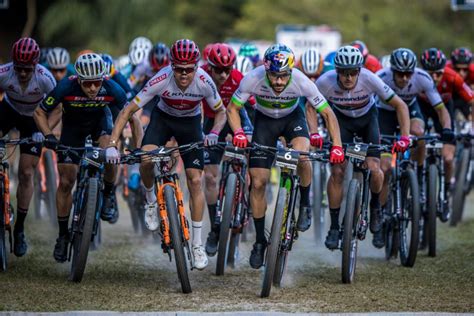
(176, 102)
(25, 101)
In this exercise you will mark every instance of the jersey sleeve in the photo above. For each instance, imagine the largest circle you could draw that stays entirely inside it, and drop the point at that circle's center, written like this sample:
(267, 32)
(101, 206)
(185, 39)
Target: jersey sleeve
(312, 94)
(119, 95)
(429, 89)
(380, 88)
(244, 91)
(212, 96)
(155, 86)
(462, 89)
(55, 96)
(4, 70)
(47, 80)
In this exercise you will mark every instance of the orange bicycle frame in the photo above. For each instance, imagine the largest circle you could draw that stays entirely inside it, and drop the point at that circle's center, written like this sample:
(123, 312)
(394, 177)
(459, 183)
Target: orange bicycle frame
(6, 198)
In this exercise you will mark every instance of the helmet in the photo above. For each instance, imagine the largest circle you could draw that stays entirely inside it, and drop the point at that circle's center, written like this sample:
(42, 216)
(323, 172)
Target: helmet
(433, 59)
(348, 57)
(139, 49)
(221, 55)
(159, 56)
(44, 54)
(25, 51)
(205, 51)
(403, 60)
(109, 64)
(90, 66)
(243, 64)
(278, 58)
(311, 62)
(250, 50)
(361, 46)
(185, 51)
(461, 55)
(58, 58)
(385, 61)
(122, 62)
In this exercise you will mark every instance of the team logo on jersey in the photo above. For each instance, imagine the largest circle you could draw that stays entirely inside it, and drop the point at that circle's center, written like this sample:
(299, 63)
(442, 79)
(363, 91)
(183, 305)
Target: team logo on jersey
(157, 79)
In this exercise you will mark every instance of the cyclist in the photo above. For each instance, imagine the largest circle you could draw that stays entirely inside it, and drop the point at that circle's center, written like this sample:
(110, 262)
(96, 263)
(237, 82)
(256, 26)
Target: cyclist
(311, 63)
(25, 84)
(328, 63)
(461, 62)
(116, 76)
(221, 59)
(370, 61)
(181, 87)
(277, 88)
(408, 82)
(243, 64)
(351, 90)
(86, 101)
(448, 83)
(205, 54)
(58, 63)
(251, 51)
(139, 49)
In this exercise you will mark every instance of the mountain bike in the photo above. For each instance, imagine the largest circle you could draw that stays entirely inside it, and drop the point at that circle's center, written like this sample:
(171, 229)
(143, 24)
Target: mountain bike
(401, 216)
(283, 231)
(6, 209)
(174, 226)
(232, 208)
(46, 183)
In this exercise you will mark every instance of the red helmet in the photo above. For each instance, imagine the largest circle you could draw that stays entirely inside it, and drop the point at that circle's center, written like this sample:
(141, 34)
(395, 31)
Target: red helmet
(221, 55)
(361, 46)
(184, 52)
(206, 50)
(25, 51)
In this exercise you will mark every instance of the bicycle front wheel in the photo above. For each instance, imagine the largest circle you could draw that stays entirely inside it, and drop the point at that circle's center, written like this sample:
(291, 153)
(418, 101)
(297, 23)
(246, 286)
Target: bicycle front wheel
(83, 237)
(51, 183)
(3, 213)
(177, 238)
(432, 204)
(349, 237)
(273, 247)
(409, 220)
(229, 205)
(459, 196)
(317, 186)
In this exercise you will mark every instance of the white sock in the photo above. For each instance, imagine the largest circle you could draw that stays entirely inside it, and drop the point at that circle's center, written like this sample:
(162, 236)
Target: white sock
(150, 194)
(197, 227)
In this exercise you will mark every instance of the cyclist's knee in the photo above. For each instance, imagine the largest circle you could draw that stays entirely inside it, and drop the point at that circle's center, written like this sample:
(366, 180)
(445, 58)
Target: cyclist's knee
(25, 175)
(417, 128)
(194, 181)
(385, 165)
(259, 183)
(337, 174)
(210, 179)
(66, 183)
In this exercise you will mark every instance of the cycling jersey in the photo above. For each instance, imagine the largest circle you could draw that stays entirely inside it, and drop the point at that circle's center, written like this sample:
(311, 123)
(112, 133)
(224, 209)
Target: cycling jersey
(273, 105)
(470, 75)
(25, 102)
(122, 82)
(78, 108)
(175, 102)
(357, 101)
(452, 84)
(419, 83)
(372, 63)
(142, 72)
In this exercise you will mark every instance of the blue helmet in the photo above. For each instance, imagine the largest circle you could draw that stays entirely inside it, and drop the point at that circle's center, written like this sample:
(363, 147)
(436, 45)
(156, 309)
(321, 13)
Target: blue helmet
(279, 58)
(109, 64)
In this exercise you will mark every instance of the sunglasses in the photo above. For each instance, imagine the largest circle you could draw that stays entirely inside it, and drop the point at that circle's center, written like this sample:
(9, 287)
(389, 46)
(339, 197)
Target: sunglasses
(184, 70)
(90, 83)
(219, 70)
(23, 69)
(461, 69)
(348, 72)
(277, 75)
(402, 74)
(437, 73)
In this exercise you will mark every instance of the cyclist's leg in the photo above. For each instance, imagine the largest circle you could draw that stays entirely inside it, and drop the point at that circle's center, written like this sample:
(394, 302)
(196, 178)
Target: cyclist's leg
(417, 128)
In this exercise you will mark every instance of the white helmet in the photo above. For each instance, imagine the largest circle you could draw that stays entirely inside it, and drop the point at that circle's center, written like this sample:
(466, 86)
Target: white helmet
(139, 49)
(121, 62)
(58, 58)
(385, 61)
(311, 62)
(90, 66)
(348, 57)
(243, 64)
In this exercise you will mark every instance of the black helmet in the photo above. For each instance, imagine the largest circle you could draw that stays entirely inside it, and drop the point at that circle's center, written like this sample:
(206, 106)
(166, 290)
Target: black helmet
(461, 55)
(433, 59)
(403, 60)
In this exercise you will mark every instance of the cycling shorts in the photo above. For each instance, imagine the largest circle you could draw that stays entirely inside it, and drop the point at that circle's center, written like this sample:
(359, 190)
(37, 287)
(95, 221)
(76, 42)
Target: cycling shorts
(9, 119)
(388, 120)
(184, 129)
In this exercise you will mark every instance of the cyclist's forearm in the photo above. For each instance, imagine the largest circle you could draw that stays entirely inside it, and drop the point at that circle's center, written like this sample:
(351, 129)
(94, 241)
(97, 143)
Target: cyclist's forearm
(311, 118)
(122, 119)
(233, 116)
(403, 115)
(219, 120)
(137, 130)
(443, 116)
(41, 120)
(332, 125)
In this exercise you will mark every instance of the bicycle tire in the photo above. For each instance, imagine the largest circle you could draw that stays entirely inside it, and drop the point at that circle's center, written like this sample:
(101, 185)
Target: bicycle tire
(273, 247)
(459, 196)
(349, 237)
(51, 184)
(37, 195)
(389, 228)
(3, 212)
(233, 253)
(318, 210)
(432, 201)
(82, 240)
(134, 211)
(98, 236)
(177, 238)
(280, 268)
(409, 218)
(228, 207)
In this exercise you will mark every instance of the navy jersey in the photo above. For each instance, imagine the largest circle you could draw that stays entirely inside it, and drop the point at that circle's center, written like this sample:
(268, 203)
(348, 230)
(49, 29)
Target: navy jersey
(122, 82)
(78, 107)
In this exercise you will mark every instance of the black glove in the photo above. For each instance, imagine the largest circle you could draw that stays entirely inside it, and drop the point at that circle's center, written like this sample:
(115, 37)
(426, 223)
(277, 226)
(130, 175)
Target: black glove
(447, 135)
(51, 142)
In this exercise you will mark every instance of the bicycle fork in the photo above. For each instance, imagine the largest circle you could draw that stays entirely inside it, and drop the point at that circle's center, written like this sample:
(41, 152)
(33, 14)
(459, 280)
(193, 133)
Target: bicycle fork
(364, 217)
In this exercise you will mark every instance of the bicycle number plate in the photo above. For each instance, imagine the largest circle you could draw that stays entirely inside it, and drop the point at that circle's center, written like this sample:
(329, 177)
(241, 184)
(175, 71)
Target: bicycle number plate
(437, 145)
(161, 158)
(235, 152)
(287, 159)
(95, 156)
(357, 151)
